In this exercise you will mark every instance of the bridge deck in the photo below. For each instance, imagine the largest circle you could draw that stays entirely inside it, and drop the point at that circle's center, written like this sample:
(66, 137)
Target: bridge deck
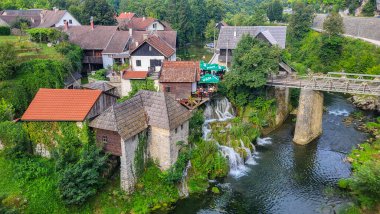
(332, 82)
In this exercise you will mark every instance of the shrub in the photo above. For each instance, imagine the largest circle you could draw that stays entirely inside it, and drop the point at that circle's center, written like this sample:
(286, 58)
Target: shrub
(365, 182)
(6, 111)
(81, 180)
(195, 126)
(99, 74)
(45, 35)
(5, 31)
(8, 61)
(15, 139)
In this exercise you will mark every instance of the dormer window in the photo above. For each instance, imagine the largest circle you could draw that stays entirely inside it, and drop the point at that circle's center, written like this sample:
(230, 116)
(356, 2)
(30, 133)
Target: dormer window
(154, 25)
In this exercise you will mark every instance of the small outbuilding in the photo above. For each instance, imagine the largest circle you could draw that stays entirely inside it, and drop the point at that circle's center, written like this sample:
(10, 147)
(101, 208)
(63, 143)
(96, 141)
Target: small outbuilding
(179, 78)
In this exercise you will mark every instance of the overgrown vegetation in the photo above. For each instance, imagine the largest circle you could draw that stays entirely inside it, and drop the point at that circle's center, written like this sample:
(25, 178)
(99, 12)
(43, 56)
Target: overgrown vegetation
(253, 61)
(137, 85)
(364, 183)
(26, 68)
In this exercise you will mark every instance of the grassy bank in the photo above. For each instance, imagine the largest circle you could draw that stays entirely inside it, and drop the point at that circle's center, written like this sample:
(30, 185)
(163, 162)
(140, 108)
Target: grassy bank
(364, 184)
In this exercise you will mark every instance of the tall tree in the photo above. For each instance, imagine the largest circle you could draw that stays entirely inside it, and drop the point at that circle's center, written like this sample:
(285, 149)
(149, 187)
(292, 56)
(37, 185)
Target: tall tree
(274, 11)
(333, 24)
(301, 20)
(100, 10)
(211, 31)
(200, 16)
(253, 60)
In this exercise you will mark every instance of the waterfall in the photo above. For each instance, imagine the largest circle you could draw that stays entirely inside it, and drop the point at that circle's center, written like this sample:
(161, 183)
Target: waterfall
(184, 190)
(236, 162)
(264, 141)
(219, 111)
(250, 157)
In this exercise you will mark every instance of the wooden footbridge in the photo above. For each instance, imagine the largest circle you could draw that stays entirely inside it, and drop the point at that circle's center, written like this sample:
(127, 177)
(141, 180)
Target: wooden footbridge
(333, 82)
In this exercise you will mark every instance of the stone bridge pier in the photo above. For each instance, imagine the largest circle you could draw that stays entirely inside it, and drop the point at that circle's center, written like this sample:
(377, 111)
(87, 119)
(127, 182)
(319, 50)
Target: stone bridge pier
(309, 117)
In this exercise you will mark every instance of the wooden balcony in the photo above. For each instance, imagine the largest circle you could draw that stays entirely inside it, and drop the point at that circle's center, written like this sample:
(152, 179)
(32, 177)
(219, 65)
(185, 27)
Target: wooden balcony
(93, 59)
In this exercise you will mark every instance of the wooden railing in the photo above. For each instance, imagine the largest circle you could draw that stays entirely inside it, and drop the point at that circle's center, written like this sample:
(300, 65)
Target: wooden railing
(93, 59)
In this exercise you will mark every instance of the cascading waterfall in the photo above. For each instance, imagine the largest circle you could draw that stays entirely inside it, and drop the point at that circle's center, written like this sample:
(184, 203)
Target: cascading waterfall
(236, 162)
(184, 191)
(219, 112)
(250, 157)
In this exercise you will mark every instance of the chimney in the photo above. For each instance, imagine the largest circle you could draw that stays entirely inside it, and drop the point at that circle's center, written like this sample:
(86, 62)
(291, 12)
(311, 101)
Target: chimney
(137, 44)
(66, 25)
(130, 32)
(55, 9)
(92, 23)
(145, 36)
(144, 18)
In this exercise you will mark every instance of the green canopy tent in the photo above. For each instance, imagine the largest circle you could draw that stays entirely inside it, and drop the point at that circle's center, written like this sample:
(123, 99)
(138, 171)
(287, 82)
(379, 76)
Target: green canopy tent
(209, 79)
(211, 67)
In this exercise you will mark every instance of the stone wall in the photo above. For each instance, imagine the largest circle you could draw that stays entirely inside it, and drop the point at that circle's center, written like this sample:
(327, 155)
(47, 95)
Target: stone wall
(127, 169)
(282, 100)
(309, 116)
(163, 146)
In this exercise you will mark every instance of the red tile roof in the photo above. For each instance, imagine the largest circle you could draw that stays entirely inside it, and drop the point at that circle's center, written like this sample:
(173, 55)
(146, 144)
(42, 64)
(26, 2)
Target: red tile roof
(126, 15)
(61, 105)
(135, 75)
(180, 71)
(159, 44)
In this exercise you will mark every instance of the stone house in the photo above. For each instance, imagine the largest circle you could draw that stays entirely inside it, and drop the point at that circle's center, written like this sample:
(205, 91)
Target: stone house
(179, 78)
(66, 105)
(153, 116)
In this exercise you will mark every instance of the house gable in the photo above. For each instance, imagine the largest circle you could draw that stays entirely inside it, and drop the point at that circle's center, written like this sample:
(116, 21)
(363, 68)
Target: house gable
(146, 50)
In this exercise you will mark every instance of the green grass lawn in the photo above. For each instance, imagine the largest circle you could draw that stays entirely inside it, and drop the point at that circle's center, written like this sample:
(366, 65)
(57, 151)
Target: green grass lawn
(27, 50)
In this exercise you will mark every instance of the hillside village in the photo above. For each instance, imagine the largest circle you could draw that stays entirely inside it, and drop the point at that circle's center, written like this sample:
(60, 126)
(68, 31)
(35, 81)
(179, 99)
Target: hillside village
(119, 121)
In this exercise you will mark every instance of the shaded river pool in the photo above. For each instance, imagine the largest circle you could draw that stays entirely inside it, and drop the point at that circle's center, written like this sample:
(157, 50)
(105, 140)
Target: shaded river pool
(289, 178)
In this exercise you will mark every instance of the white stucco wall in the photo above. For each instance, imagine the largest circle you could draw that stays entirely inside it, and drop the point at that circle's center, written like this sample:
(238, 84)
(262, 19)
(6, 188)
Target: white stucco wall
(145, 62)
(159, 26)
(67, 17)
(107, 60)
(173, 57)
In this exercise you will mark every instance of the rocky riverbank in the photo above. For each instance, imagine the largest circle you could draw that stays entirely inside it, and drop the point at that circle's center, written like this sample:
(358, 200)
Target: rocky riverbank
(366, 102)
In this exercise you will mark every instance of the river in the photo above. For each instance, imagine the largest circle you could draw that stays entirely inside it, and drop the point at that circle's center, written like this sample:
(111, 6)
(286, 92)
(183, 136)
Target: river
(289, 178)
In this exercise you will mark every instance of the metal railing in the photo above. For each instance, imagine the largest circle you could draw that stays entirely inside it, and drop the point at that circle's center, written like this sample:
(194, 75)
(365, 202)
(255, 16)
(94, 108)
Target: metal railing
(333, 82)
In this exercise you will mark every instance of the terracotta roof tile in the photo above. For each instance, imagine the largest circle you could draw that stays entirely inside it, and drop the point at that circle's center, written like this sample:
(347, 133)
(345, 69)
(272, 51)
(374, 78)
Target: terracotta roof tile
(61, 105)
(135, 75)
(126, 15)
(179, 71)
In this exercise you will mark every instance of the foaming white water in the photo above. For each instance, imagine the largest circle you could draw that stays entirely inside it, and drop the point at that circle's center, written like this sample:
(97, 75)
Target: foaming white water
(264, 141)
(236, 162)
(184, 189)
(220, 111)
(338, 112)
(250, 157)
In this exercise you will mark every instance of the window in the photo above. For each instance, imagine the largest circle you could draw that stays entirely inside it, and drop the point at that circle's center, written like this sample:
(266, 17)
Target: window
(70, 21)
(155, 62)
(181, 126)
(150, 48)
(105, 139)
(155, 25)
(167, 89)
(176, 130)
(138, 62)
